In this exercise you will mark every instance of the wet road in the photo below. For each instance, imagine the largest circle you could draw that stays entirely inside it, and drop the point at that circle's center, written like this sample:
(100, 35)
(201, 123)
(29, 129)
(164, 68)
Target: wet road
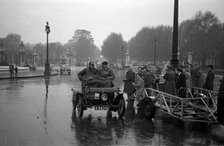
(38, 112)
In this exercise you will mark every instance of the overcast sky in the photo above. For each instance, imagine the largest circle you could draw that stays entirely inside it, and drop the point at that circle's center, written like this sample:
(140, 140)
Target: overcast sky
(101, 17)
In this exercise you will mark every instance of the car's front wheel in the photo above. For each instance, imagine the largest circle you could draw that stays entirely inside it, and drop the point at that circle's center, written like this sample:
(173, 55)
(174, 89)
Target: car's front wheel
(79, 106)
(148, 108)
(121, 107)
(74, 100)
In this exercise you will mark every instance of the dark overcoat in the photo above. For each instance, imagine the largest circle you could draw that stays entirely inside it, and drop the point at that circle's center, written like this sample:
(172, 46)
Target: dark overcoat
(220, 106)
(170, 85)
(128, 82)
(209, 81)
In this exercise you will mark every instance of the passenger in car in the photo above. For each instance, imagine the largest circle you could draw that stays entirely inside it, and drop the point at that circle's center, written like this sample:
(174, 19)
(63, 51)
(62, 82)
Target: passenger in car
(107, 74)
(88, 75)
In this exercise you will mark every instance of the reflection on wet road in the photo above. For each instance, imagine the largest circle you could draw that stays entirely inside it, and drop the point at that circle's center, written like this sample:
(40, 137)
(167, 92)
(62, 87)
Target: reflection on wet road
(39, 112)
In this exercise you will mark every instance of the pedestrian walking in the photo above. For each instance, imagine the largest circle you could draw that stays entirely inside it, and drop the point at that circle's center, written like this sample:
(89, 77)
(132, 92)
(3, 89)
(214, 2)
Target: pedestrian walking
(209, 78)
(11, 70)
(170, 78)
(16, 71)
(220, 106)
(129, 88)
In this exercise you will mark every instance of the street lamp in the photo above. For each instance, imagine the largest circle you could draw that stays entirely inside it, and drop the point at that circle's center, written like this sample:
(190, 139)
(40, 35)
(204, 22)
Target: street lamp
(155, 52)
(47, 65)
(122, 61)
(174, 61)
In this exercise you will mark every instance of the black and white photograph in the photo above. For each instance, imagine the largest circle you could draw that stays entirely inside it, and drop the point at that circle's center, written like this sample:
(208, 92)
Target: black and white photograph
(111, 72)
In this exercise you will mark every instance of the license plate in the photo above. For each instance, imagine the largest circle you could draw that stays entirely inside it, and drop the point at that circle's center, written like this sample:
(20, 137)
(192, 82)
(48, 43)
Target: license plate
(97, 96)
(101, 107)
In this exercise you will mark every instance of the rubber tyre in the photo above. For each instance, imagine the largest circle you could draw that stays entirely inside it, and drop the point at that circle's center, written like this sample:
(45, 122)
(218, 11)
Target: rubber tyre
(149, 108)
(79, 106)
(74, 101)
(121, 108)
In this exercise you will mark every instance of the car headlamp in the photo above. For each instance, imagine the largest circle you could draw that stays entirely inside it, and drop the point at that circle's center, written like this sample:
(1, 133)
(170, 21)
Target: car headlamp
(104, 97)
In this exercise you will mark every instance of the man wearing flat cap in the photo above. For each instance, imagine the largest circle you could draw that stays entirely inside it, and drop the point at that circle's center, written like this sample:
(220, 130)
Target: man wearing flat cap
(107, 73)
(209, 78)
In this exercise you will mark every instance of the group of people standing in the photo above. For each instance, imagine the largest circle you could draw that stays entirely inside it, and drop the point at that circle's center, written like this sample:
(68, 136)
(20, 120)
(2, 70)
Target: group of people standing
(136, 82)
(180, 81)
(13, 70)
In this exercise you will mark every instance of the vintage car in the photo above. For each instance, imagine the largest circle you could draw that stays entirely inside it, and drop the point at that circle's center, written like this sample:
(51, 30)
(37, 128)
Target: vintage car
(110, 99)
(65, 69)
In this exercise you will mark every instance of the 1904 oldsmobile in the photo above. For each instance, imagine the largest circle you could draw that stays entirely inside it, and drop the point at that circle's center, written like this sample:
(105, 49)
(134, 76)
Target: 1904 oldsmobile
(98, 91)
(110, 99)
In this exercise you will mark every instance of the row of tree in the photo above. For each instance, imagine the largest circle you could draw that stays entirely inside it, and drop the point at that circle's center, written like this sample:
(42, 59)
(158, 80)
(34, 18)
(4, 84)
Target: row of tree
(203, 35)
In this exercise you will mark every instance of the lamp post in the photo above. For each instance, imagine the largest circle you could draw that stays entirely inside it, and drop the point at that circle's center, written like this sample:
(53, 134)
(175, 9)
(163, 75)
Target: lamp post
(155, 52)
(122, 52)
(174, 61)
(47, 65)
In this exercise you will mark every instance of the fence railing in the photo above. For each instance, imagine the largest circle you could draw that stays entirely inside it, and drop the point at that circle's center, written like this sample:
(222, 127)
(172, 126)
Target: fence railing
(200, 104)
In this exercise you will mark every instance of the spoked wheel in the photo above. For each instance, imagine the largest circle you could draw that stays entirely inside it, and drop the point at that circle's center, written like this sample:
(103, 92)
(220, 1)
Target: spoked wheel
(74, 100)
(121, 108)
(148, 108)
(79, 106)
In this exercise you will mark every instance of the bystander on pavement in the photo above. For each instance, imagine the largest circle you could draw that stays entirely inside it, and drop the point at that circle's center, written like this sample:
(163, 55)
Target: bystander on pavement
(24, 74)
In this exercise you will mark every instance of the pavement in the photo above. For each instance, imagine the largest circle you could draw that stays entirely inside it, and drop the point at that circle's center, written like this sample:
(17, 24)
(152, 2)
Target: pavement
(25, 74)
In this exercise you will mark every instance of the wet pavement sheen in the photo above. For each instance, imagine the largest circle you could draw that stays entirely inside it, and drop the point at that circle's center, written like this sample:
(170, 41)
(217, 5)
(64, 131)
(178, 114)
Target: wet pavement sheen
(39, 112)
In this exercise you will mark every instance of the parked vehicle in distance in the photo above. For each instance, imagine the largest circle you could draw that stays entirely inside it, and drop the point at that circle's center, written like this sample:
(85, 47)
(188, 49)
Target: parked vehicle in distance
(65, 69)
(31, 67)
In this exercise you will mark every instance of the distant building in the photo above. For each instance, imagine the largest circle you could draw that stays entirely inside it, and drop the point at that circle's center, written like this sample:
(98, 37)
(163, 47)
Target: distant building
(15, 53)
